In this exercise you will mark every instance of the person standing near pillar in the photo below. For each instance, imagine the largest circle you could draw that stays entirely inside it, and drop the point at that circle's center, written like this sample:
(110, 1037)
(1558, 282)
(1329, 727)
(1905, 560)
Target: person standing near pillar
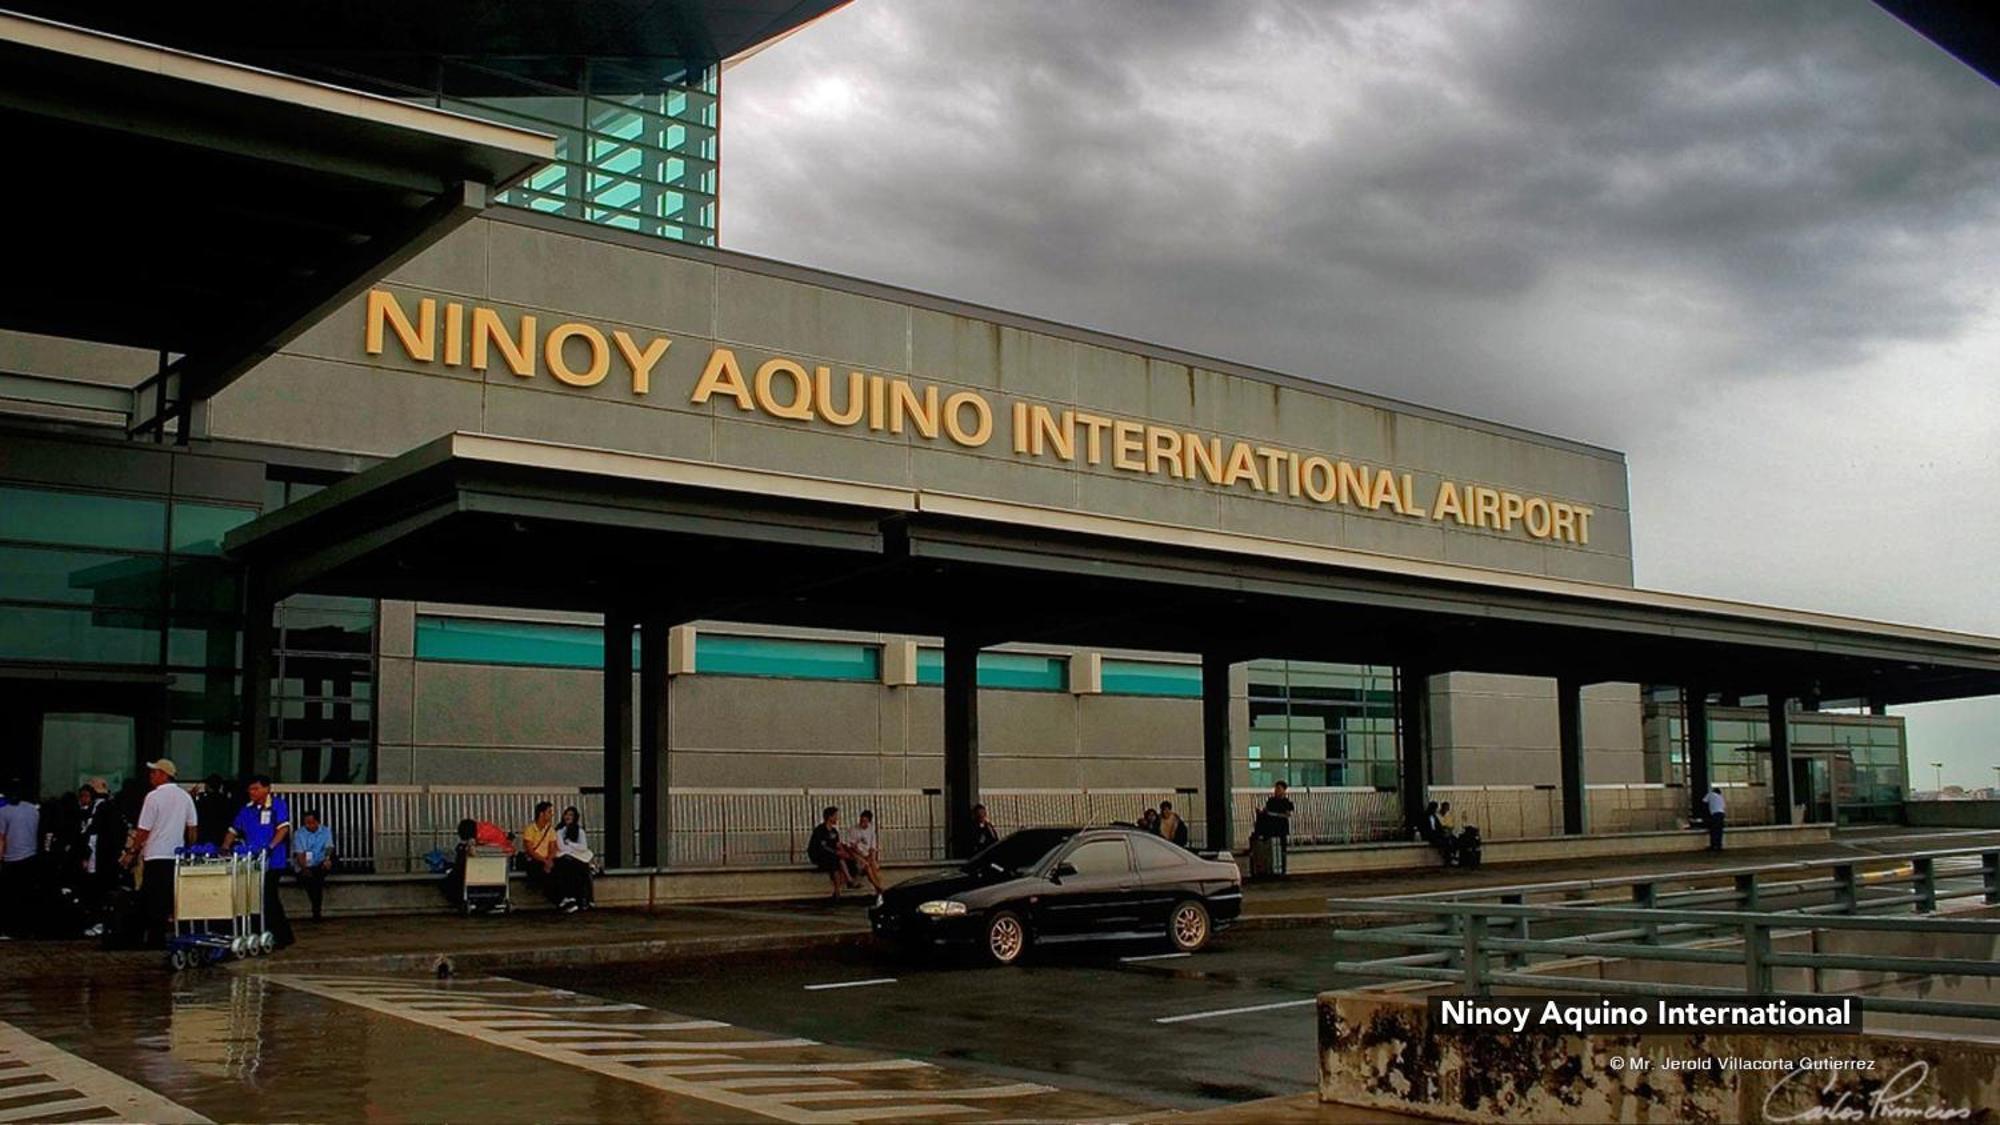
(1714, 804)
(265, 825)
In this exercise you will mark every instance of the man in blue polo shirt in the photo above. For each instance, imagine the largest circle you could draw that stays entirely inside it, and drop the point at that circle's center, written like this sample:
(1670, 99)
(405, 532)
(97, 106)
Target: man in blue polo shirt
(265, 824)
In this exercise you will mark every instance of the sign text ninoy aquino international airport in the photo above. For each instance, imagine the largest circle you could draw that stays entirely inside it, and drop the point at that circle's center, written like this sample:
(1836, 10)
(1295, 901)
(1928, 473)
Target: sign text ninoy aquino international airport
(475, 336)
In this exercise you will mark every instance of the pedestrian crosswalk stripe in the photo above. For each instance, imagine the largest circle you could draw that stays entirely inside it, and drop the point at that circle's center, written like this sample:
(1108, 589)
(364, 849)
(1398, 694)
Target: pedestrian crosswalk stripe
(40, 1082)
(761, 1076)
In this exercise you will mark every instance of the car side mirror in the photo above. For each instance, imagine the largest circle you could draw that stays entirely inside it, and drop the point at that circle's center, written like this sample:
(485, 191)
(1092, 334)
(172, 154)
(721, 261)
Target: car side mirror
(1061, 870)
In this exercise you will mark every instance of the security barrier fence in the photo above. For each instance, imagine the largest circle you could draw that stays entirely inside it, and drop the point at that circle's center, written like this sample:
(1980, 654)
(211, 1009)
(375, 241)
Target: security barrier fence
(1666, 925)
(390, 829)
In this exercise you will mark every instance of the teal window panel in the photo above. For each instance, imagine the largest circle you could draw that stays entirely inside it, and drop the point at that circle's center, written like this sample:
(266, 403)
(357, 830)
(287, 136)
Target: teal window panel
(82, 519)
(1013, 671)
(472, 641)
(1152, 677)
(89, 578)
(199, 528)
(723, 655)
(81, 635)
(1001, 671)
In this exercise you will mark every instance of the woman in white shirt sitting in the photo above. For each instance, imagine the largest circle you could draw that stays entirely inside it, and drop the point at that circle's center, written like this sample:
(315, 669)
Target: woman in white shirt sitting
(573, 863)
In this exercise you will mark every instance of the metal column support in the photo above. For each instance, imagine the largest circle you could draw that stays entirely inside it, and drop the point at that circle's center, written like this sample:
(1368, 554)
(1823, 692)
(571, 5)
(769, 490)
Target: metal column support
(1781, 759)
(259, 638)
(655, 741)
(1215, 764)
(1413, 739)
(1569, 724)
(1694, 724)
(617, 739)
(961, 742)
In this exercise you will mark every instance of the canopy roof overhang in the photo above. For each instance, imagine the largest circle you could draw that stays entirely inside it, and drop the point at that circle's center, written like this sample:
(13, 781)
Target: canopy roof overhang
(211, 211)
(630, 45)
(502, 521)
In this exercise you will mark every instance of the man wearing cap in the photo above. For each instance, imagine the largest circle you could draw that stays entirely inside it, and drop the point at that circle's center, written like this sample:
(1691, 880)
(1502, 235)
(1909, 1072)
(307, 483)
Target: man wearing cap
(166, 822)
(265, 825)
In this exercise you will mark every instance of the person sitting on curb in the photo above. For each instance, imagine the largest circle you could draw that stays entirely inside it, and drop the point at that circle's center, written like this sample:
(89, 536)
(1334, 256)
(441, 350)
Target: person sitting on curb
(312, 859)
(538, 851)
(573, 863)
(825, 852)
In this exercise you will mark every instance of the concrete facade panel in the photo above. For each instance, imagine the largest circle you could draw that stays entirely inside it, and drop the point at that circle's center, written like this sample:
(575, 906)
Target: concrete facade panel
(599, 423)
(456, 264)
(794, 317)
(470, 705)
(793, 448)
(24, 353)
(1027, 483)
(1135, 497)
(599, 281)
(293, 400)
(809, 717)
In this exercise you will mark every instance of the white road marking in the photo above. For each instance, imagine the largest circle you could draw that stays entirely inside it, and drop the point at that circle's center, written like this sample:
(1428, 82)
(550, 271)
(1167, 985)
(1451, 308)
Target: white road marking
(518, 1023)
(1011, 1090)
(1237, 1011)
(1156, 957)
(850, 984)
(659, 1055)
(65, 1084)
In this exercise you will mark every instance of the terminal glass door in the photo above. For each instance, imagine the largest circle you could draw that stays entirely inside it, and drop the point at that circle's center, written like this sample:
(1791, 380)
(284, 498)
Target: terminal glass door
(1812, 787)
(80, 745)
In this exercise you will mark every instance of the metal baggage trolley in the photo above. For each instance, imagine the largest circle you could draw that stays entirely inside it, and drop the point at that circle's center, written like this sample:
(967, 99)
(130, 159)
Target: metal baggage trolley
(485, 880)
(218, 907)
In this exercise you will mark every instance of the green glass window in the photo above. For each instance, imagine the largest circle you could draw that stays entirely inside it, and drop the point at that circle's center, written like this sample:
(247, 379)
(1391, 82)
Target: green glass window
(53, 574)
(474, 641)
(212, 642)
(81, 635)
(1001, 671)
(81, 519)
(1152, 677)
(724, 655)
(199, 528)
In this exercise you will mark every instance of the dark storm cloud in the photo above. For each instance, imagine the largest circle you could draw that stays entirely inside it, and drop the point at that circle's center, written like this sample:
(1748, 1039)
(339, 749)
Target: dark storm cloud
(1289, 183)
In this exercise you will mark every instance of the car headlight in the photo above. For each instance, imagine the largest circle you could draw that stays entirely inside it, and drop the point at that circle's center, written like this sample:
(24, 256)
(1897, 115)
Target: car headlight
(942, 908)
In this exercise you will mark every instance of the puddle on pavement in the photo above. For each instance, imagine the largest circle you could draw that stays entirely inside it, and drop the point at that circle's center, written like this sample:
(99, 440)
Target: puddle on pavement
(235, 1046)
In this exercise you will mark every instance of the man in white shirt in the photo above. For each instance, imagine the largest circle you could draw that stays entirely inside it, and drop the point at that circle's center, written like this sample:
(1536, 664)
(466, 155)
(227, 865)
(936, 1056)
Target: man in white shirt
(863, 846)
(1713, 802)
(166, 822)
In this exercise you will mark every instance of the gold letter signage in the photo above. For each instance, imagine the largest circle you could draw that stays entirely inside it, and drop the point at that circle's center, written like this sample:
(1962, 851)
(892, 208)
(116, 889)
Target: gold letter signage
(576, 354)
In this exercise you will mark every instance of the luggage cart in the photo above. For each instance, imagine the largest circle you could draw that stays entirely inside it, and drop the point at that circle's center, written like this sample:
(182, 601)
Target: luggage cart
(484, 880)
(218, 907)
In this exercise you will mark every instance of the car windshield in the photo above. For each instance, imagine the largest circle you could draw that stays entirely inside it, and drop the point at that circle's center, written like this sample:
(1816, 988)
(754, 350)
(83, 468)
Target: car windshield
(1020, 851)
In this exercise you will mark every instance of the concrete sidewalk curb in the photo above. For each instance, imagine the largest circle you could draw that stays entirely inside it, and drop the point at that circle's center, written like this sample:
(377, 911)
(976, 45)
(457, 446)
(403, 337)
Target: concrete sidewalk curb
(537, 957)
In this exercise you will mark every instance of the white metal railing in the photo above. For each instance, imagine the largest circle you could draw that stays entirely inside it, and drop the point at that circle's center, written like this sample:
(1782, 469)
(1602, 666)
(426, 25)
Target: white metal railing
(391, 828)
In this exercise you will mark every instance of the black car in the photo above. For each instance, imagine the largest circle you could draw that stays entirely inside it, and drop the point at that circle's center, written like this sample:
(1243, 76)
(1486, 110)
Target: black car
(1065, 884)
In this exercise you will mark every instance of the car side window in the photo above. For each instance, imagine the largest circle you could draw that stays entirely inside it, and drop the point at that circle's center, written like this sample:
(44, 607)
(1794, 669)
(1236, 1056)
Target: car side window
(1154, 853)
(1100, 857)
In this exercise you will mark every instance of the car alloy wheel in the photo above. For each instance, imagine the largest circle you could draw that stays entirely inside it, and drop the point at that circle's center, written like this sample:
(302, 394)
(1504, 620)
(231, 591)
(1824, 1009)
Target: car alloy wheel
(1189, 928)
(1006, 938)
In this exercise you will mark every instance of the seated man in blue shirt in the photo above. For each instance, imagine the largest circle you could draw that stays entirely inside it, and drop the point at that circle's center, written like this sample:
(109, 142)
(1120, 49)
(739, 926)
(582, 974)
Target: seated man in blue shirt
(312, 857)
(265, 824)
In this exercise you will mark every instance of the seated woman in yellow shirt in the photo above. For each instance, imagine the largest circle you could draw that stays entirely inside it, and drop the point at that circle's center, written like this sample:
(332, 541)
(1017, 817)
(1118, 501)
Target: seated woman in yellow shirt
(538, 850)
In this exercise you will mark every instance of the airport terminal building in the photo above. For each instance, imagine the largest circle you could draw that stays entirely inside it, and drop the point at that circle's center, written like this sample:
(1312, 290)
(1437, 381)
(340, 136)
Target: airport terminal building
(411, 431)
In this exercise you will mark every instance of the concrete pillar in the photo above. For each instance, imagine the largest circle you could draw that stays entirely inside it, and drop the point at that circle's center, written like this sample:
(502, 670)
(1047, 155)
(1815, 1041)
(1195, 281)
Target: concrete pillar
(617, 739)
(655, 739)
(1569, 728)
(1413, 739)
(961, 742)
(1781, 758)
(1694, 724)
(1215, 762)
(253, 752)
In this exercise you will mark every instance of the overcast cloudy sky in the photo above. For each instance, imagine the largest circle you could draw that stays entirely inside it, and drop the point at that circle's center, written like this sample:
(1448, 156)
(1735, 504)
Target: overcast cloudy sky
(1755, 246)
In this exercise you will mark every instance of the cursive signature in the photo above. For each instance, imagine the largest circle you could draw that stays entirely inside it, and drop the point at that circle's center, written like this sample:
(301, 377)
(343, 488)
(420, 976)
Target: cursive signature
(1848, 1103)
